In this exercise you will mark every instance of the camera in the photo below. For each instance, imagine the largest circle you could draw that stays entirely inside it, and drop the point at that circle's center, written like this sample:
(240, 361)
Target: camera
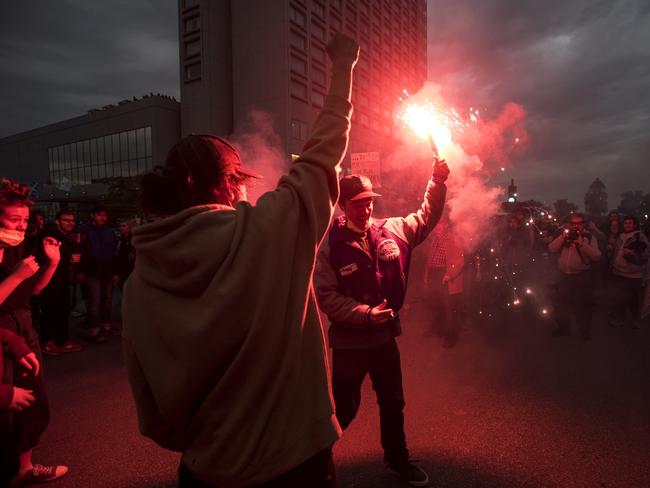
(570, 235)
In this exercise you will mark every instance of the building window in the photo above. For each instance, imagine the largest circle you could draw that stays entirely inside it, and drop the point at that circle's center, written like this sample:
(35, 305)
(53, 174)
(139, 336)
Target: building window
(335, 22)
(298, 40)
(298, 89)
(125, 153)
(190, 3)
(298, 65)
(298, 130)
(318, 76)
(192, 48)
(318, 53)
(317, 98)
(193, 72)
(318, 30)
(317, 9)
(192, 24)
(297, 17)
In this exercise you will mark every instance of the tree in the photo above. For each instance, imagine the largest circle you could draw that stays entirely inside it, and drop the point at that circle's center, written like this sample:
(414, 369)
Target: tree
(632, 203)
(563, 208)
(596, 199)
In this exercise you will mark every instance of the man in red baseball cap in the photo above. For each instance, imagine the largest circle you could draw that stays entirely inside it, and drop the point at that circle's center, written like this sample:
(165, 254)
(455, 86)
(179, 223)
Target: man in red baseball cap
(360, 283)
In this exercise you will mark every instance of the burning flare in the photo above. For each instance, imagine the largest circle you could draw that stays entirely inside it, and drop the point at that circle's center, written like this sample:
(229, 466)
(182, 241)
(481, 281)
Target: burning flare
(434, 124)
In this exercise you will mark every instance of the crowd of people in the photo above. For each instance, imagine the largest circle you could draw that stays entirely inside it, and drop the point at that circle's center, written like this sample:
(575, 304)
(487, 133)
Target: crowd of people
(216, 291)
(46, 271)
(532, 263)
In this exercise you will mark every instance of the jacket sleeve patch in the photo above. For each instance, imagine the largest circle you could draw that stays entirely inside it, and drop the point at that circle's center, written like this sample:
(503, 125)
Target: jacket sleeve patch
(388, 250)
(348, 270)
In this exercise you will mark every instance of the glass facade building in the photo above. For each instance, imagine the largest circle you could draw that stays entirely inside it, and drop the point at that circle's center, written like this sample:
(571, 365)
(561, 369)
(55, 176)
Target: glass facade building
(122, 154)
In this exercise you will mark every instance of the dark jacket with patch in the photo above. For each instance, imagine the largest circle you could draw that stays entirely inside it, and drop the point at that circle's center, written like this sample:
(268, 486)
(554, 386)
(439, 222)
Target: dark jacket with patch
(349, 279)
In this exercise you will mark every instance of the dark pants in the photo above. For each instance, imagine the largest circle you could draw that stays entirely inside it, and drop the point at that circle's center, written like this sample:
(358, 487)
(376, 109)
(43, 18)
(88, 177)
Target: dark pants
(446, 309)
(55, 313)
(574, 297)
(316, 472)
(29, 424)
(628, 297)
(382, 363)
(100, 300)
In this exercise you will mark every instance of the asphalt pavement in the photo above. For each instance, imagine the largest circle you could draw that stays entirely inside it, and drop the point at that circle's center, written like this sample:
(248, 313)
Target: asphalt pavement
(509, 406)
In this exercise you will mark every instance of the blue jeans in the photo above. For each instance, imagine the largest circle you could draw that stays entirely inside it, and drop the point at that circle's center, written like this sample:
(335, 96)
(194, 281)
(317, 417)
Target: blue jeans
(100, 301)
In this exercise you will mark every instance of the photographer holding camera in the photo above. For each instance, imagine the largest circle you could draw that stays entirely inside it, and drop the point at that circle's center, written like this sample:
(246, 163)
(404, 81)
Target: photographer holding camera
(578, 249)
(631, 253)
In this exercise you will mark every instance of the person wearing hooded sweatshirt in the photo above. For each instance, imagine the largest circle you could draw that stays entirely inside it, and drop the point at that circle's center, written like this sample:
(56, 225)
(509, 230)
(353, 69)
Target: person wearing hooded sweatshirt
(629, 259)
(223, 343)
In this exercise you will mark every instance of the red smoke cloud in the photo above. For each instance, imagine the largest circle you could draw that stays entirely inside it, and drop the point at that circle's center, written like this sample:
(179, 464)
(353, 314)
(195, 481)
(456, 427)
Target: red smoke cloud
(475, 153)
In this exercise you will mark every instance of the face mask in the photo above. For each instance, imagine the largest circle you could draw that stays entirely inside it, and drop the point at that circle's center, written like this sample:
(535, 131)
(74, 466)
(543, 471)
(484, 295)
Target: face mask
(11, 238)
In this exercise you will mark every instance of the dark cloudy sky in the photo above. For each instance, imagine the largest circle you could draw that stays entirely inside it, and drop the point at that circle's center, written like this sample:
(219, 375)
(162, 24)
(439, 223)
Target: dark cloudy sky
(580, 68)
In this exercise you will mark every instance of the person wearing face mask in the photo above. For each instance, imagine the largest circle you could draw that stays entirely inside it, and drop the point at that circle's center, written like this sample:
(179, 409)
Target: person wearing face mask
(360, 282)
(20, 278)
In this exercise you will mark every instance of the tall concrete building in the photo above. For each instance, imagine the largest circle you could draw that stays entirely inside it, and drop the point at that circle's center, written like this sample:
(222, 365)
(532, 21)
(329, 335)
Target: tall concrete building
(269, 55)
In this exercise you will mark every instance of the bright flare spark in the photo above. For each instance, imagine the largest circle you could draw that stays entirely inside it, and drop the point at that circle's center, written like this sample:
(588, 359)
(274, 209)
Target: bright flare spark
(435, 124)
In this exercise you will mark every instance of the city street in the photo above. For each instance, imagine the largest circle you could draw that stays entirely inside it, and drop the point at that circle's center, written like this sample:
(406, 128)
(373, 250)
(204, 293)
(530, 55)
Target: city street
(509, 406)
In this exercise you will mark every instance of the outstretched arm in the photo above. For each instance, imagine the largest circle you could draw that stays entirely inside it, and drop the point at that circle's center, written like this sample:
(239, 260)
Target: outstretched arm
(415, 227)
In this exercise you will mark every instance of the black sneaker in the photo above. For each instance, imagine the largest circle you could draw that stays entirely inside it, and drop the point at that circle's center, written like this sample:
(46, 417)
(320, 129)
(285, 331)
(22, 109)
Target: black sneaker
(409, 472)
(96, 336)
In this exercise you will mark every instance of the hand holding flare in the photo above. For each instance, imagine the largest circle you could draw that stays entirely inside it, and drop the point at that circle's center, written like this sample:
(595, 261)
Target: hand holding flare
(440, 168)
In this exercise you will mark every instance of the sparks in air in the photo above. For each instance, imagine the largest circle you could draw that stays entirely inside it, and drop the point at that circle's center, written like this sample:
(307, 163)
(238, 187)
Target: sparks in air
(433, 123)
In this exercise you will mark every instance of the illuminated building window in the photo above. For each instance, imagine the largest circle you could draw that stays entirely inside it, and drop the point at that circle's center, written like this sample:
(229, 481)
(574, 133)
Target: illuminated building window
(298, 130)
(298, 89)
(317, 98)
(318, 76)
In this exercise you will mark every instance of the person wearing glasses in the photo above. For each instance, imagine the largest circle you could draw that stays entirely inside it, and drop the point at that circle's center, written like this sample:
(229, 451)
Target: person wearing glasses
(578, 249)
(55, 298)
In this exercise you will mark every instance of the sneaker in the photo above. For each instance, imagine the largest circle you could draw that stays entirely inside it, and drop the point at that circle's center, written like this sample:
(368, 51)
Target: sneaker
(38, 474)
(409, 472)
(108, 331)
(51, 349)
(96, 336)
(71, 346)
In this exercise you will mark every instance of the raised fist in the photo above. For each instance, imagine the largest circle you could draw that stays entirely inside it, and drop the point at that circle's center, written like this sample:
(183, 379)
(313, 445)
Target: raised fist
(343, 49)
(440, 171)
(26, 268)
